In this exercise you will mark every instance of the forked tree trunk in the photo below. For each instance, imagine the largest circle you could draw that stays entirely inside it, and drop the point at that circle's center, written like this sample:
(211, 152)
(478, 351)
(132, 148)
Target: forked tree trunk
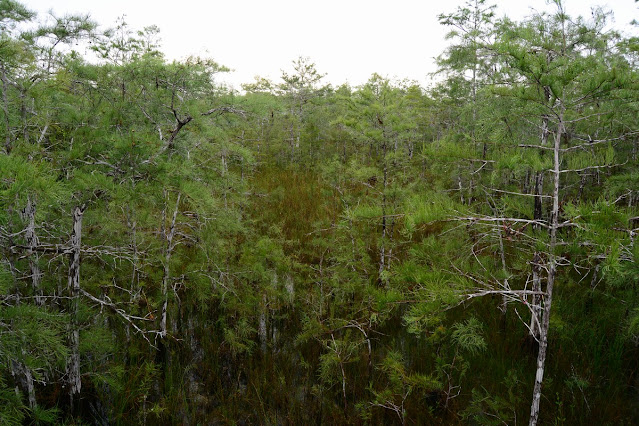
(74, 382)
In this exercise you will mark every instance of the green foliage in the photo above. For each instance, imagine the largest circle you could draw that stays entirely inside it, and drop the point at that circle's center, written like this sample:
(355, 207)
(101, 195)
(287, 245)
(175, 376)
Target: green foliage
(33, 336)
(468, 336)
(487, 409)
(427, 208)
(401, 385)
(45, 416)
(6, 280)
(12, 410)
(240, 338)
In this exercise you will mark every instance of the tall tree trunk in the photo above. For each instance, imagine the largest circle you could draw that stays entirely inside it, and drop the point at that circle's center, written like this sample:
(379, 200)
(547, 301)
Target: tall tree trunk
(169, 234)
(552, 272)
(23, 114)
(5, 108)
(73, 362)
(382, 248)
(503, 307)
(539, 176)
(539, 190)
(135, 276)
(18, 368)
(535, 319)
(24, 378)
(28, 214)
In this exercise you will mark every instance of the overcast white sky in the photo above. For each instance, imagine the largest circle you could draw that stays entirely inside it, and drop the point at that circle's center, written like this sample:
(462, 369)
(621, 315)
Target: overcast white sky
(347, 39)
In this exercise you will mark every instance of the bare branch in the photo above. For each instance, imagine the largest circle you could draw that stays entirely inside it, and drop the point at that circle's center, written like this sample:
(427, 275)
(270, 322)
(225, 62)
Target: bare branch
(119, 311)
(607, 166)
(517, 193)
(224, 109)
(475, 219)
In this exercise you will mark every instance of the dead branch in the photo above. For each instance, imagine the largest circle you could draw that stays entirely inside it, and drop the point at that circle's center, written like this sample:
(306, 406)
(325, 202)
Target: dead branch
(130, 319)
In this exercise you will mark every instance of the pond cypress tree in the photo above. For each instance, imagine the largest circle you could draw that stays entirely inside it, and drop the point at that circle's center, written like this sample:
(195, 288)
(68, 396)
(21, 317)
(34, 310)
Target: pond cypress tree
(560, 80)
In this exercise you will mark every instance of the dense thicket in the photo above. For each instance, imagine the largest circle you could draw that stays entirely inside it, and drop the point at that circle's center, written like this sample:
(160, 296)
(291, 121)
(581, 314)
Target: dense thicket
(173, 251)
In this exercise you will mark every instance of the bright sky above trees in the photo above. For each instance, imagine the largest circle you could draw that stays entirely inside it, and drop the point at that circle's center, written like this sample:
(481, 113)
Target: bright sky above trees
(347, 39)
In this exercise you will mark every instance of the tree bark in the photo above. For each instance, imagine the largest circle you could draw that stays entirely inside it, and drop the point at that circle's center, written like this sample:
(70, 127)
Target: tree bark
(539, 190)
(535, 319)
(74, 382)
(28, 214)
(552, 272)
(24, 377)
(382, 249)
(23, 114)
(5, 109)
(169, 234)
(178, 127)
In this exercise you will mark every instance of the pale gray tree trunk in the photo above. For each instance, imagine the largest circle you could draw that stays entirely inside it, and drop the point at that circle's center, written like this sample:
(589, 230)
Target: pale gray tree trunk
(169, 235)
(74, 382)
(503, 307)
(5, 108)
(262, 330)
(535, 319)
(28, 215)
(382, 249)
(538, 192)
(135, 276)
(552, 272)
(23, 114)
(539, 176)
(19, 369)
(24, 378)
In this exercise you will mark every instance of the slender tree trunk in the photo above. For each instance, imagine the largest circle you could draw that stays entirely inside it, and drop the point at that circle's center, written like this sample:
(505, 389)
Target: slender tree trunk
(24, 379)
(341, 366)
(23, 113)
(382, 249)
(539, 189)
(28, 214)
(552, 272)
(298, 136)
(169, 234)
(292, 141)
(503, 307)
(28, 378)
(263, 326)
(535, 319)
(73, 363)
(22, 373)
(539, 176)
(134, 286)
(5, 109)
